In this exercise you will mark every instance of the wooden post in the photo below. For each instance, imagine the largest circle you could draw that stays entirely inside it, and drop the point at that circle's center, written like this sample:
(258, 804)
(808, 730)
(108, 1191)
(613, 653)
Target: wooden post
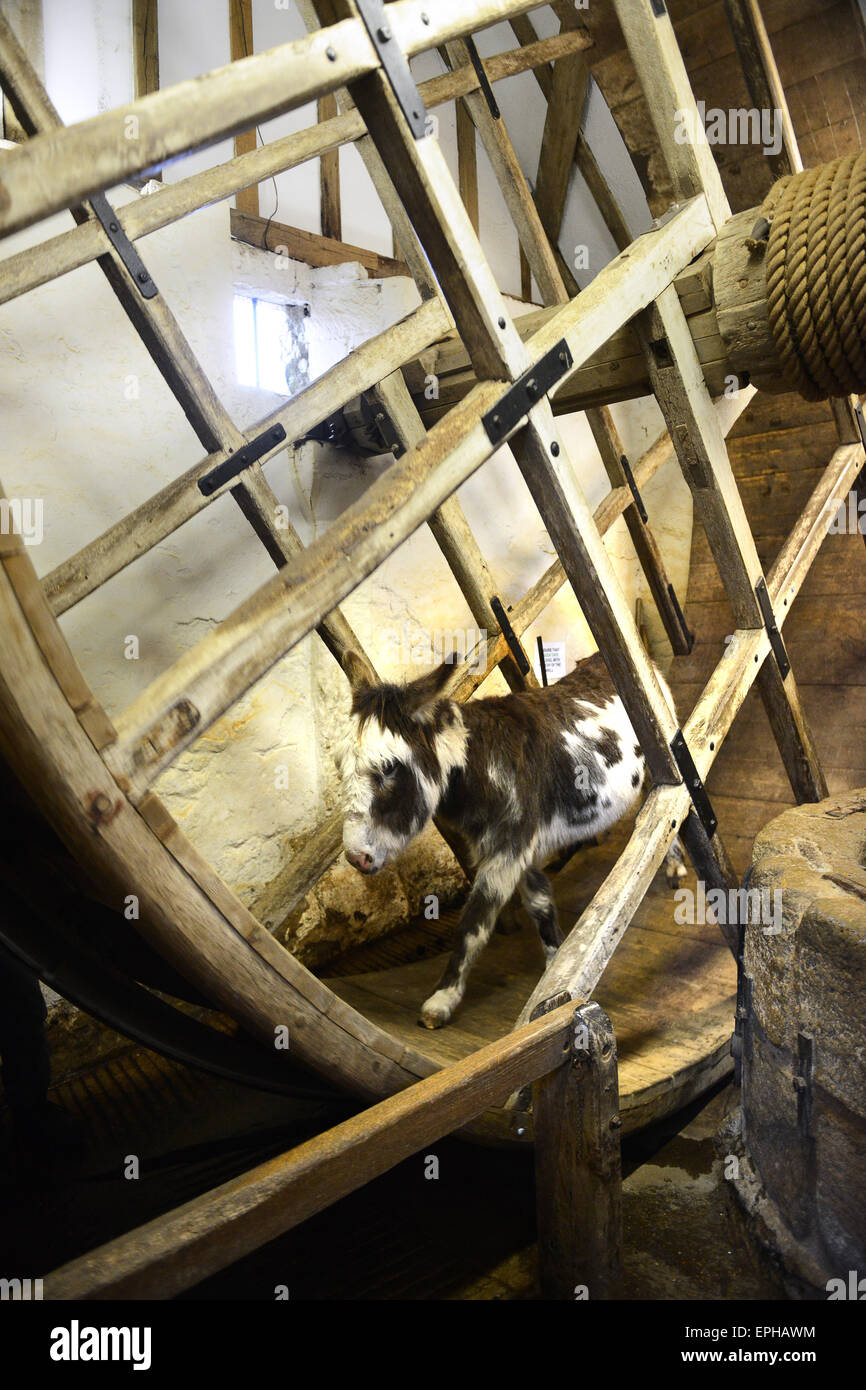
(329, 176)
(578, 1171)
(145, 38)
(241, 42)
(762, 78)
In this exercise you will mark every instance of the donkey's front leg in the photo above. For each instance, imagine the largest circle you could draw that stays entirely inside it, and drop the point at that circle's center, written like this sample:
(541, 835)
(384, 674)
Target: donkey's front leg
(494, 884)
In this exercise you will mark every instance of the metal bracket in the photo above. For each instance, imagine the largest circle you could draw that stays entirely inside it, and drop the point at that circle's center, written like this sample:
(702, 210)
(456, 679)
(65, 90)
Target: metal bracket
(691, 777)
(483, 79)
(526, 391)
(395, 65)
(510, 636)
(110, 222)
(773, 632)
(861, 423)
(241, 459)
(381, 426)
(658, 8)
(681, 617)
(542, 664)
(633, 488)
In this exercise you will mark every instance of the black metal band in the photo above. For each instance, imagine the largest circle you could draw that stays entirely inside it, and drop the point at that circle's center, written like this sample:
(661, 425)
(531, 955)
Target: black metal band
(773, 632)
(123, 246)
(690, 775)
(483, 79)
(510, 636)
(241, 459)
(633, 488)
(526, 391)
(395, 65)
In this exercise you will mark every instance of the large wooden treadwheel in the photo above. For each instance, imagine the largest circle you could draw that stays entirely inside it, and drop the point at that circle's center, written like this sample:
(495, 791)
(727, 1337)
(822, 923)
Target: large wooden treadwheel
(669, 989)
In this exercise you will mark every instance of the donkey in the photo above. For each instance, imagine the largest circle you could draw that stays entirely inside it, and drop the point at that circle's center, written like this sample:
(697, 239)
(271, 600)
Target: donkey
(511, 779)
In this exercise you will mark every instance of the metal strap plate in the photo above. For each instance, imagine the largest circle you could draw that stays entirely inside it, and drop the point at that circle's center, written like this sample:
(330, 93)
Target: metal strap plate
(691, 777)
(122, 245)
(395, 65)
(483, 79)
(510, 636)
(526, 391)
(241, 459)
(773, 632)
(633, 488)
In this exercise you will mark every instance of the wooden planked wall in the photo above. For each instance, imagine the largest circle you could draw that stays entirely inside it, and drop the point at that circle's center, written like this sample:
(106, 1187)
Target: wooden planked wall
(820, 50)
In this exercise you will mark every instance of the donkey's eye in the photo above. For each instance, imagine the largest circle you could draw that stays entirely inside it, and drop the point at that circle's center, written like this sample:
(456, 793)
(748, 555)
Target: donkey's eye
(389, 768)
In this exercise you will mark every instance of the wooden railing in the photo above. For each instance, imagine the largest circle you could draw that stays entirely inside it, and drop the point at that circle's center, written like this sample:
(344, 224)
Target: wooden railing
(569, 1055)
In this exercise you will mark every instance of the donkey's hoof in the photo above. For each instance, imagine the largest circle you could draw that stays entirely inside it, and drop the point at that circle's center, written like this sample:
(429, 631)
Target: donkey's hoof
(676, 874)
(437, 1011)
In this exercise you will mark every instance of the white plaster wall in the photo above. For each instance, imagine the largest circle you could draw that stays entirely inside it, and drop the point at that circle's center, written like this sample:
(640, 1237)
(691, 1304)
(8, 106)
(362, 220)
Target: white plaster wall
(90, 428)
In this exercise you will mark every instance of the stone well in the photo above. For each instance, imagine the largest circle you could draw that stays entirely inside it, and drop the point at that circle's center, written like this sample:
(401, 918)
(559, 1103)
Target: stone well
(800, 1137)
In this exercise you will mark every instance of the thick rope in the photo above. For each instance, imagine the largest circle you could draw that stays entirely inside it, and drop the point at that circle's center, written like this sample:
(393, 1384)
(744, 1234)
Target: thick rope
(816, 276)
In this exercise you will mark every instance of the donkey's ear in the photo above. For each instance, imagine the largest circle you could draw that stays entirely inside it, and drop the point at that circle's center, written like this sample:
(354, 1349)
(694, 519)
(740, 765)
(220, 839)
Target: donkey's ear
(428, 688)
(358, 671)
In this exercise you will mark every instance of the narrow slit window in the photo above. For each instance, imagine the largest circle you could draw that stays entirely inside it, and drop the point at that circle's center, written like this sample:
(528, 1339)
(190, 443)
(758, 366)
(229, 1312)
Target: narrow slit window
(271, 349)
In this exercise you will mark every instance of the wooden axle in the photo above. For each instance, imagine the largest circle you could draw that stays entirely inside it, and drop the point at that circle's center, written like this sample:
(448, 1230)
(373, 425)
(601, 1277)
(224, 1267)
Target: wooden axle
(723, 296)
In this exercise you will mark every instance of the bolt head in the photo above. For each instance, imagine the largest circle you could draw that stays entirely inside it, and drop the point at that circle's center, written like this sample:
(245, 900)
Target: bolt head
(331, 54)
(384, 33)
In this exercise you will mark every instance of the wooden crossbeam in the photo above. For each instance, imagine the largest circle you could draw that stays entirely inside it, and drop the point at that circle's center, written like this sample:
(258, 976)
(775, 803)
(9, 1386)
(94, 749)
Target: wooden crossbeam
(268, 235)
(98, 153)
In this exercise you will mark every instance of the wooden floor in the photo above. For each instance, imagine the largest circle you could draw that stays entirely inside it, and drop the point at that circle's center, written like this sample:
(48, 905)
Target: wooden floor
(669, 989)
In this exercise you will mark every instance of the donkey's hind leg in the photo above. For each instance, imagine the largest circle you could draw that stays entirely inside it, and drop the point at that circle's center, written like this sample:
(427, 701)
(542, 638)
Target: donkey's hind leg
(537, 897)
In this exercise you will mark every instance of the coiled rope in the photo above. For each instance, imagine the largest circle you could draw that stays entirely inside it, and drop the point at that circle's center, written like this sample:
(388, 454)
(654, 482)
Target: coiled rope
(816, 276)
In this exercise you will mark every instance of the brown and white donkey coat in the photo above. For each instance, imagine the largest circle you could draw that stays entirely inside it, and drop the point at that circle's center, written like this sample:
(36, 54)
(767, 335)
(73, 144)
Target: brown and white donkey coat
(513, 778)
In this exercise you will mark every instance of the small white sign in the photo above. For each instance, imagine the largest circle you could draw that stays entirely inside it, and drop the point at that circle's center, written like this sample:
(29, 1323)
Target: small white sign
(554, 661)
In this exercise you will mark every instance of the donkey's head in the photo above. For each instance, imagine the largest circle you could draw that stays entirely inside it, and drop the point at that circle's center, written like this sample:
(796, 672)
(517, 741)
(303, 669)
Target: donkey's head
(402, 744)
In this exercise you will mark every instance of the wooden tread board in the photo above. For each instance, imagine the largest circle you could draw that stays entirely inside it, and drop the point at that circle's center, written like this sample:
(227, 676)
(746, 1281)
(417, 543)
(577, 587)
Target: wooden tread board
(670, 991)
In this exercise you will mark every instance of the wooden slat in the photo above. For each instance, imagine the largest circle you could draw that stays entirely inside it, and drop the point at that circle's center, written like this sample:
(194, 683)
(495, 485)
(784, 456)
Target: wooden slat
(580, 961)
(467, 164)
